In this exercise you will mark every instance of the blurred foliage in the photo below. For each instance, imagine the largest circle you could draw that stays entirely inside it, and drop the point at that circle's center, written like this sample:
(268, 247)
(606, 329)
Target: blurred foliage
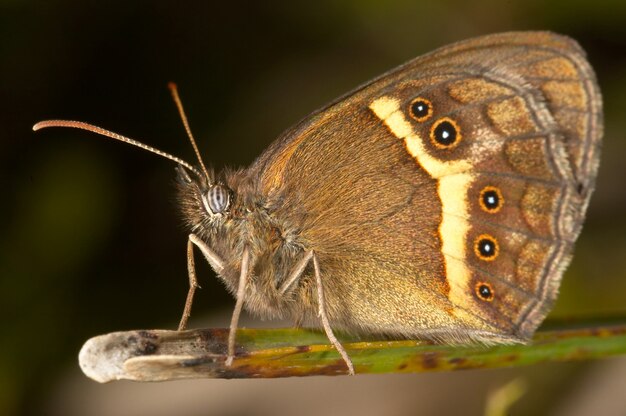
(91, 240)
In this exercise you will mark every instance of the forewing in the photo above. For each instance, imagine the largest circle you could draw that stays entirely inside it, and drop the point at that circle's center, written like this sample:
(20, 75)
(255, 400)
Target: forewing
(400, 216)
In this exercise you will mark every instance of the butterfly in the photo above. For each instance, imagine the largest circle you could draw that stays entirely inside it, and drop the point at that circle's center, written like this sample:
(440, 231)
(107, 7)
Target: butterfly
(438, 201)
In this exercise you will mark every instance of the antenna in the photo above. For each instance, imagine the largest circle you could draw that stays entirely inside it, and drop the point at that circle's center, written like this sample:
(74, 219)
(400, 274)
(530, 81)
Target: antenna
(103, 132)
(179, 105)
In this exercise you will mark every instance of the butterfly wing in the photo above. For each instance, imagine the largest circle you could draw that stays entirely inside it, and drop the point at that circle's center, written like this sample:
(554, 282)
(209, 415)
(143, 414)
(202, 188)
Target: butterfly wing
(444, 197)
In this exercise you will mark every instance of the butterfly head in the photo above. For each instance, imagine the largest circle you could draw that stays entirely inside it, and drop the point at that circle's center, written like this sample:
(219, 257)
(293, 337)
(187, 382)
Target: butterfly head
(207, 201)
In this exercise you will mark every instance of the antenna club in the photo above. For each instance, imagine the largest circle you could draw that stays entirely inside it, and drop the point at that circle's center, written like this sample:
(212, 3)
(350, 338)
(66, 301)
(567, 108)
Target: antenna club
(45, 124)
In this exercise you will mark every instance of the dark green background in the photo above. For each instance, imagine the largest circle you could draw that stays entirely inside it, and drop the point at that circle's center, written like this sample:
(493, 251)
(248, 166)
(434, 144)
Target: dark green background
(91, 237)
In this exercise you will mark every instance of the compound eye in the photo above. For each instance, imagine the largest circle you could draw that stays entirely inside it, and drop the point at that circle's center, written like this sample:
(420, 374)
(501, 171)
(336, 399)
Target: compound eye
(217, 199)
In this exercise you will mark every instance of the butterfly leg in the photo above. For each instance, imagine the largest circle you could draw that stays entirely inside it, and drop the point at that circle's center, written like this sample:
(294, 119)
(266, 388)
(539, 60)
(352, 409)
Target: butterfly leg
(322, 313)
(296, 273)
(241, 291)
(294, 276)
(214, 260)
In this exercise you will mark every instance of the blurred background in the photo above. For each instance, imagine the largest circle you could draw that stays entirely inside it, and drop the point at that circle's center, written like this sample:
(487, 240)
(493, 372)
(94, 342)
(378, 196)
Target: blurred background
(91, 240)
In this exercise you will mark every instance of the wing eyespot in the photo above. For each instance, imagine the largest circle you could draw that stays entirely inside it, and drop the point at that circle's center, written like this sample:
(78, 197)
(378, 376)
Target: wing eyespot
(445, 133)
(486, 247)
(420, 109)
(491, 199)
(484, 291)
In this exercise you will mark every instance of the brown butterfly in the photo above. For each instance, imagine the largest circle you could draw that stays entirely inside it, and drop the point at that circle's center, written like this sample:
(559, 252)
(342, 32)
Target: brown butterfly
(439, 201)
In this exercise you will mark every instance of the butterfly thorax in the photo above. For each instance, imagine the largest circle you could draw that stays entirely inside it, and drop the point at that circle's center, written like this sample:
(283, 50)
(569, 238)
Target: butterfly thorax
(274, 245)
